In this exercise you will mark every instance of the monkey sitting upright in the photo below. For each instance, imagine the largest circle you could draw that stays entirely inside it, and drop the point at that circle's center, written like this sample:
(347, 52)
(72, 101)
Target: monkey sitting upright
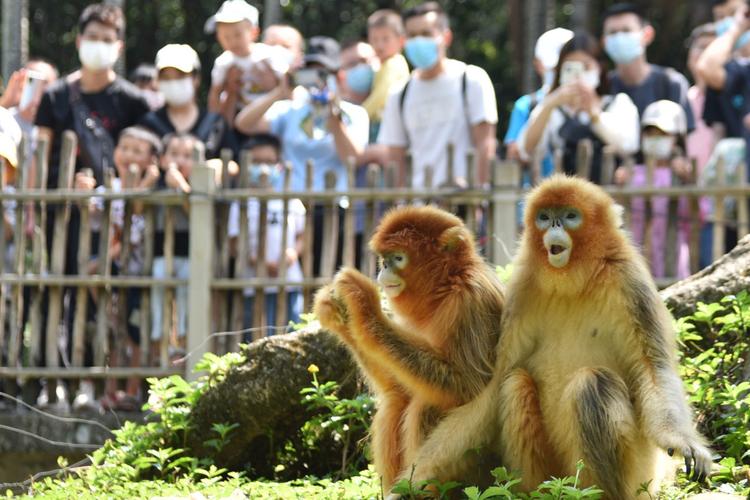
(586, 363)
(438, 350)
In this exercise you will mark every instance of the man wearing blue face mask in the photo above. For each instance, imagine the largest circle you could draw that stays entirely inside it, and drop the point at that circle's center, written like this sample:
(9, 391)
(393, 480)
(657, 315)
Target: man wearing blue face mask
(626, 35)
(725, 73)
(723, 110)
(444, 102)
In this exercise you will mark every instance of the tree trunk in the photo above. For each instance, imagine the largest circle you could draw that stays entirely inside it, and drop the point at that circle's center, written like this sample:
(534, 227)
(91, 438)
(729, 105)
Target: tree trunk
(727, 276)
(263, 396)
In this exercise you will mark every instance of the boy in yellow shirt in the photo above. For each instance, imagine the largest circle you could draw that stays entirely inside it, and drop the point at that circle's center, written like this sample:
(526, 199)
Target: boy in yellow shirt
(385, 32)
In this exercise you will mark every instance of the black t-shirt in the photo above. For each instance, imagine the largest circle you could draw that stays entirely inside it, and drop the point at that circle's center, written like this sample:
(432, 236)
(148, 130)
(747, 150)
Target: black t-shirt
(120, 105)
(661, 83)
(211, 128)
(725, 108)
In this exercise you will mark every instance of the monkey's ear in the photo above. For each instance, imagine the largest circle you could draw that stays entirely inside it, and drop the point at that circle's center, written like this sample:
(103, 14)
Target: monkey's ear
(453, 239)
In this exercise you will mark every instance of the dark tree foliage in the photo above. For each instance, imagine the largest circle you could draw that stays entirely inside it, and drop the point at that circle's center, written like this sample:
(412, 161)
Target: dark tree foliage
(488, 33)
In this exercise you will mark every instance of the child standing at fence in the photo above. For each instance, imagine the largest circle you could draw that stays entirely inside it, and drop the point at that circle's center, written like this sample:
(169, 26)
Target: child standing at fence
(136, 157)
(664, 129)
(265, 150)
(176, 164)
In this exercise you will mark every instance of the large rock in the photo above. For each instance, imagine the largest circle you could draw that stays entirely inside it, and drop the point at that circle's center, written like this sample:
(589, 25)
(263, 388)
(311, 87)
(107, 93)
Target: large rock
(727, 276)
(263, 396)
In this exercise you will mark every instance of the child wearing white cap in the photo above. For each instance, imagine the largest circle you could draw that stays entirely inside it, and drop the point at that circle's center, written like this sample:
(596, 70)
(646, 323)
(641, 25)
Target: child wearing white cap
(663, 134)
(236, 28)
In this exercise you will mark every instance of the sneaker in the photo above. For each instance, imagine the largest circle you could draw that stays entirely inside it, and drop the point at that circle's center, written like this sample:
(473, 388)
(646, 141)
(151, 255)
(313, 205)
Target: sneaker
(85, 399)
(59, 406)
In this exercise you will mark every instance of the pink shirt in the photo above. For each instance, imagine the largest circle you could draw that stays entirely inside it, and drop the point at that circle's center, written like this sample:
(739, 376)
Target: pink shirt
(700, 142)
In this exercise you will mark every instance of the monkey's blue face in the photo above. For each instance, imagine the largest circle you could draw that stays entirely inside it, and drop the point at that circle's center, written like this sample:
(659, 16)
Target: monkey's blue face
(390, 265)
(555, 223)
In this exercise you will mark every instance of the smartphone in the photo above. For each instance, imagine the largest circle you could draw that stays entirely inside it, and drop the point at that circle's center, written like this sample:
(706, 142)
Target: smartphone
(310, 77)
(570, 71)
(33, 80)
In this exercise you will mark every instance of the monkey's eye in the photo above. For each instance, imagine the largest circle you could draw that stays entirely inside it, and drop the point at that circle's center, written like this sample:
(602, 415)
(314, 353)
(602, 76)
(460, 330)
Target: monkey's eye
(399, 260)
(543, 219)
(572, 218)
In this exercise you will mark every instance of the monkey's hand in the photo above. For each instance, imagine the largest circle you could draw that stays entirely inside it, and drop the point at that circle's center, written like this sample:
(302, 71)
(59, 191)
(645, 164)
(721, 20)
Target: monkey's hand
(359, 295)
(697, 458)
(332, 313)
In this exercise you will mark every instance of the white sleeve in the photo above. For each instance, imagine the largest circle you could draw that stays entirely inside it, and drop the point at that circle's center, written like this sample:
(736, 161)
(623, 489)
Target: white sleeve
(233, 225)
(619, 125)
(392, 127)
(359, 128)
(221, 66)
(554, 123)
(297, 216)
(480, 96)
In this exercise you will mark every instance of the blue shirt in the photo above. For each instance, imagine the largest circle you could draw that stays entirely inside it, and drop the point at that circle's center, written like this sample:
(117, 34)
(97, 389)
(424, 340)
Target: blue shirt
(304, 136)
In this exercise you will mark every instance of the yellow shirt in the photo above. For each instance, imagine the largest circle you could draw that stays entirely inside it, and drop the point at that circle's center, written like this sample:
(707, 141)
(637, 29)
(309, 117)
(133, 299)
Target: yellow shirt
(393, 72)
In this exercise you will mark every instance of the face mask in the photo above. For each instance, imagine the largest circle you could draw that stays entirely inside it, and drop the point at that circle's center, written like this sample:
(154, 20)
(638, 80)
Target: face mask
(257, 170)
(177, 92)
(281, 59)
(623, 47)
(591, 79)
(359, 78)
(658, 147)
(97, 56)
(723, 26)
(743, 40)
(422, 52)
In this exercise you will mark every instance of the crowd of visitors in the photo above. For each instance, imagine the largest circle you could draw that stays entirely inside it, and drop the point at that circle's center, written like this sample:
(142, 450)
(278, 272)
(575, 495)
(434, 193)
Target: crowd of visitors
(290, 100)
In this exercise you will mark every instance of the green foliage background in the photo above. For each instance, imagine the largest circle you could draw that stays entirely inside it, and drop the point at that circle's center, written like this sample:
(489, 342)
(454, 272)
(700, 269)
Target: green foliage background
(488, 33)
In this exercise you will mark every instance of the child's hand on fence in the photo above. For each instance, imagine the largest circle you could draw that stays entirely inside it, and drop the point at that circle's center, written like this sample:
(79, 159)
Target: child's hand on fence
(84, 181)
(150, 177)
(682, 168)
(621, 176)
(175, 180)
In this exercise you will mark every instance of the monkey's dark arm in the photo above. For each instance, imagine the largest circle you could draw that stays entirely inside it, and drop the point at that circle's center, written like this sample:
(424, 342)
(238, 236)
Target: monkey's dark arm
(664, 408)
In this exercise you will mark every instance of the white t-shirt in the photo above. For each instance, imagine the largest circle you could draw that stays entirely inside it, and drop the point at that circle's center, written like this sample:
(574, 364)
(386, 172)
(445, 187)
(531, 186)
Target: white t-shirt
(435, 114)
(226, 60)
(618, 126)
(137, 226)
(295, 227)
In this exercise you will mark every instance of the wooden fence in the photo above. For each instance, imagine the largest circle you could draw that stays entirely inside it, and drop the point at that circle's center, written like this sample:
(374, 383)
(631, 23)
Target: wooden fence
(38, 320)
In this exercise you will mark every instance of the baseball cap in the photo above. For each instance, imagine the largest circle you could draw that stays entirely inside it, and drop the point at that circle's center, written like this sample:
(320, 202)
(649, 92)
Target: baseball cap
(324, 50)
(549, 44)
(667, 116)
(232, 11)
(179, 56)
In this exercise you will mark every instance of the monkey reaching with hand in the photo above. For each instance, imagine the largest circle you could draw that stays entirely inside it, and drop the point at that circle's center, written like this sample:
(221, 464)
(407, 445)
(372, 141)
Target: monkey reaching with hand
(438, 349)
(587, 365)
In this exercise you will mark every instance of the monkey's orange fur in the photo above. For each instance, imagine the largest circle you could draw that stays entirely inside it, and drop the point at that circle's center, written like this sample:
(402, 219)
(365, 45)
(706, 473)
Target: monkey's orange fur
(586, 364)
(438, 349)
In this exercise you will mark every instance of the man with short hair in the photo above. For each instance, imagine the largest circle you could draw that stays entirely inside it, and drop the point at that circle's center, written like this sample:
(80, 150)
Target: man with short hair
(444, 102)
(626, 34)
(96, 104)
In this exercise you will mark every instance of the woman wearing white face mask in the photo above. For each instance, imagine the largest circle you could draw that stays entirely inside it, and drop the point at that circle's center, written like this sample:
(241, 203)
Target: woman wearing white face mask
(579, 108)
(179, 79)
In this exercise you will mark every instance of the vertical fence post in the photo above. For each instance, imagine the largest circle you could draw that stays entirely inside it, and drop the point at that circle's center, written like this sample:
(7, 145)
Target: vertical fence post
(202, 181)
(505, 181)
